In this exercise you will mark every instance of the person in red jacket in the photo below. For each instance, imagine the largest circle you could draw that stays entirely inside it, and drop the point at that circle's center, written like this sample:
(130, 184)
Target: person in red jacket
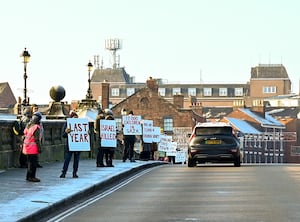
(32, 146)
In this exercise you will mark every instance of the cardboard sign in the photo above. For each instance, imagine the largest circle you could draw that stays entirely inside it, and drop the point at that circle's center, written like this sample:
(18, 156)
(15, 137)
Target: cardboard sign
(108, 133)
(78, 138)
(132, 125)
(156, 134)
(148, 131)
(165, 143)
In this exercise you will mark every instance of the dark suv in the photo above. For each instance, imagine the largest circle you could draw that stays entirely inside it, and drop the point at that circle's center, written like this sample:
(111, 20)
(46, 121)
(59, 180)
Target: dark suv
(214, 142)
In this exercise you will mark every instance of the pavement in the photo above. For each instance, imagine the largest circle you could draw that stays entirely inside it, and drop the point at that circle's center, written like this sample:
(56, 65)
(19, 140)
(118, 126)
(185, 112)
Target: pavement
(21, 200)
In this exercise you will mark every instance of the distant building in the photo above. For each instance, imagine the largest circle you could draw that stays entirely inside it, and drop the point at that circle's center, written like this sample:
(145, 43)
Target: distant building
(7, 98)
(266, 81)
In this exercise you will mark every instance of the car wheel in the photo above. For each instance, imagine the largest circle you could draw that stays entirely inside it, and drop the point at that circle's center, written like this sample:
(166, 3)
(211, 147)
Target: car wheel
(237, 162)
(191, 162)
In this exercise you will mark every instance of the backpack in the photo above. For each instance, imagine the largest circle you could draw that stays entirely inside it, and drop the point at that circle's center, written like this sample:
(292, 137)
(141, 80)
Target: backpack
(19, 127)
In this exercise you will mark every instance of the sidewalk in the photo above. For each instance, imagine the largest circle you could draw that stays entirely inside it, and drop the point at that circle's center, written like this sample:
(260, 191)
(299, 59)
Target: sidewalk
(27, 201)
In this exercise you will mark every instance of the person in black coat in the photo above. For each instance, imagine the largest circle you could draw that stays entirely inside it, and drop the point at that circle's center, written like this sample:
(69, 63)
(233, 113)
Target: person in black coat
(68, 154)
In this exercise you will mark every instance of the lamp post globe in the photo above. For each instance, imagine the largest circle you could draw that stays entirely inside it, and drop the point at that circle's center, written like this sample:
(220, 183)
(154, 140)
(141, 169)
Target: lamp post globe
(89, 94)
(25, 59)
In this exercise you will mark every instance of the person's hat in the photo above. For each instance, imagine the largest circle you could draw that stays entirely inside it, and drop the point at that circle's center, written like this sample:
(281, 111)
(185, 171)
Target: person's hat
(36, 118)
(73, 113)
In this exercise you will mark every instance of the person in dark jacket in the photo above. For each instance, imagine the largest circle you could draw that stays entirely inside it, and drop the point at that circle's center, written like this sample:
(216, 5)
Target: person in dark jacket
(68, 154)
(100, 153)
(109, 151)
(129, 141)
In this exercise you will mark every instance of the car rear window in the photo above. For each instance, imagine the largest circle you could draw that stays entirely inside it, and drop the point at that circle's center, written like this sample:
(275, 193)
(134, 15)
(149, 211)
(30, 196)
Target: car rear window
(199, 131)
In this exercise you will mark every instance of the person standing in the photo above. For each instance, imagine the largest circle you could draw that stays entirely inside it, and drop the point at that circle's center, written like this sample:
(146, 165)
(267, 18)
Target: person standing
(68, 153)
(18, 130)
(35, 111)
(129, 141)
(109, 151)
(32, 146)
(100, 153)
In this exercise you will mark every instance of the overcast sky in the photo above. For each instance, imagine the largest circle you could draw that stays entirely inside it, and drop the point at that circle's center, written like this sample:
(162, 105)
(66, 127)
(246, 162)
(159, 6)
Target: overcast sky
(181, 41)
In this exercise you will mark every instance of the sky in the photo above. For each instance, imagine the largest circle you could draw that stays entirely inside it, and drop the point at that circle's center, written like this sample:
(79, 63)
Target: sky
(179, 41)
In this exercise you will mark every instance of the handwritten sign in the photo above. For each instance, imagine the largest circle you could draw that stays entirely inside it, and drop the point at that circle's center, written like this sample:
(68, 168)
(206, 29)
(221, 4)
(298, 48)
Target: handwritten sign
(180, 156)
(78, 138)
(108, 133)
(148, 131)
(165, 143)
(132, 125)
(156, 134)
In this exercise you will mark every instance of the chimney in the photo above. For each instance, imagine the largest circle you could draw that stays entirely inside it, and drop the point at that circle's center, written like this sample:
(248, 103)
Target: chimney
(152, 84)
(259, 106)
(178, 100)
(104, 89)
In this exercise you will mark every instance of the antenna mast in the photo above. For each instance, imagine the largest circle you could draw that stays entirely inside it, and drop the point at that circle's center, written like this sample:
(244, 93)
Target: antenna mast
(113, 45)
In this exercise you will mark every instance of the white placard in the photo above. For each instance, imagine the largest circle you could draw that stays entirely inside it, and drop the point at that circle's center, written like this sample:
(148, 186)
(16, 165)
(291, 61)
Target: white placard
(156, 134)
(108, 133)
(147, 131)
(78, 138)
(132, 125)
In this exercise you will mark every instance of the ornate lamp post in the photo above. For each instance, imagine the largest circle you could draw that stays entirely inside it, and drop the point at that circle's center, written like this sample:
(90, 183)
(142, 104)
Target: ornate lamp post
(89, 94)
(26, 57)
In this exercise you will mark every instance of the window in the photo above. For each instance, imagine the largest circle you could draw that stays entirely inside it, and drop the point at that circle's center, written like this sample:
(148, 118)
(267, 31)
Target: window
(238, 92)
(130, 91)
(115, 92)
(223, 92)
(176, 91)
(207, 91)
(192, 91)
(269, 89)
(168, 124)
(162, 91)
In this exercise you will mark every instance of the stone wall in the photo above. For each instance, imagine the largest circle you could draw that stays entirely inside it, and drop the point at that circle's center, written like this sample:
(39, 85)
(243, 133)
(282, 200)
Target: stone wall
(53, 145)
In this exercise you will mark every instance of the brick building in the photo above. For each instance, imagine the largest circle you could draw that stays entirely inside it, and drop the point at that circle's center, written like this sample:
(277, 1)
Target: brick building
(147, 103)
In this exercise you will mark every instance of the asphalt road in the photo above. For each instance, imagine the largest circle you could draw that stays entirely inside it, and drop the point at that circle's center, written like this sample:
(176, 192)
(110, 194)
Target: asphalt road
(207, 193)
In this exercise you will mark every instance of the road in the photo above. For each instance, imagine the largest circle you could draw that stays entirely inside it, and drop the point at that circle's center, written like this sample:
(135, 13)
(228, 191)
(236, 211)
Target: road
(205, 193)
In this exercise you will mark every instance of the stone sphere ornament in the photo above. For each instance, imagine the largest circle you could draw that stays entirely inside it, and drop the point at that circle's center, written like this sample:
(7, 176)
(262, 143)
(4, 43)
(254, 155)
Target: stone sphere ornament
(57, 93)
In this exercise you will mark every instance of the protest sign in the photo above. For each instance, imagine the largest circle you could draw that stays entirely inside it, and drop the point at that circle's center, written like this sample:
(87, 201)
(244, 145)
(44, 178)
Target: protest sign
(132, 125)
(147, 131)
(78, 138)
(108, 133)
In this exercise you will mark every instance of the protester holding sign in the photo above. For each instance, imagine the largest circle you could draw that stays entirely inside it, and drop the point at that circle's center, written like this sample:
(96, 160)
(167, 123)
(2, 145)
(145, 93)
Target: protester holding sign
(100, 154)
(129, 132)
(69, 153)
(108, 139)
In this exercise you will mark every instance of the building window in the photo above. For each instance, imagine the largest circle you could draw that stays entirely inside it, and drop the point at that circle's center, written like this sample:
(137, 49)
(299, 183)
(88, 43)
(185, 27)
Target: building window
(168, 124)
(207, 91)
(269, 89)
(192, 91)
(176, 91)
(223, 92)
(115, 92)
(162, 91)
(130, 91)
(238, 92)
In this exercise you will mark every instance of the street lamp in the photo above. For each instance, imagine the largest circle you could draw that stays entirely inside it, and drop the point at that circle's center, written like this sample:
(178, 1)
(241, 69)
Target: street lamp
(26, 57)
(89, 94)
